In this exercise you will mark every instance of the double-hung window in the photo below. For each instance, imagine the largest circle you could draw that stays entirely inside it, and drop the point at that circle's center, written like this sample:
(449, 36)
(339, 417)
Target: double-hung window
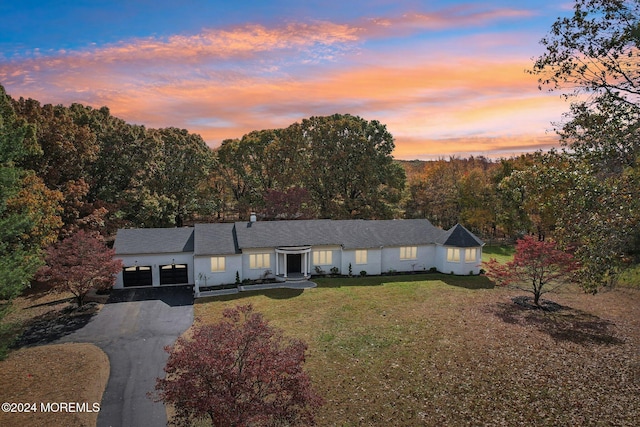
(408, 252)
(259, 261)
(361, 256)
(470, 255)
(322, 257)
(217, 264)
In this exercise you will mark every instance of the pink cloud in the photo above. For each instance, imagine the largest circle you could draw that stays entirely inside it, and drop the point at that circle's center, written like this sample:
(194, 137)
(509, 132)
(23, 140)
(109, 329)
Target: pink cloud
(454, 17)
(490, 147)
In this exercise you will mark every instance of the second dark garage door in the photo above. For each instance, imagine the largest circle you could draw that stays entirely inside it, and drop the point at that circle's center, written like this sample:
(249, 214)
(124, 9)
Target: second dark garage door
(174, 274)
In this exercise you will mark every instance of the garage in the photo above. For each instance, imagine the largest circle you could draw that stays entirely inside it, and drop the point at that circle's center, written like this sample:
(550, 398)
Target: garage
(174, 274)
(137, 276)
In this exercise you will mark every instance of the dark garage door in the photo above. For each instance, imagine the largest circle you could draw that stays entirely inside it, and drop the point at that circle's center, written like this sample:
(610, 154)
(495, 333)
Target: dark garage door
(174, 274)
(137, 276)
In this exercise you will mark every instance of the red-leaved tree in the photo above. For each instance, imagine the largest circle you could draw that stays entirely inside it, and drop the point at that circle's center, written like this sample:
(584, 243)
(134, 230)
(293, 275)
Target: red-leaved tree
(79, 263)
(239, 372)
(537, 267)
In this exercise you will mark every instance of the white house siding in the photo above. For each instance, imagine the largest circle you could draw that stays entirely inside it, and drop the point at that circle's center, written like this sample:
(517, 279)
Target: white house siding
(425, 259)
(155, 261)
(205, 277)
(336, 259)
(461, 267)
(372, 267)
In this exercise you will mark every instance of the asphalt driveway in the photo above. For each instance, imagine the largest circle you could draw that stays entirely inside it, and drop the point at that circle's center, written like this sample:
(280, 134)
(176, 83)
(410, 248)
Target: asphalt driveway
(132, 329)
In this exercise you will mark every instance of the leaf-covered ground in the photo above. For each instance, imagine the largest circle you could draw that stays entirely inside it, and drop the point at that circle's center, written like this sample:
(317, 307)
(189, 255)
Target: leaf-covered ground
(49, 373)
(440, 350)
(53, 374)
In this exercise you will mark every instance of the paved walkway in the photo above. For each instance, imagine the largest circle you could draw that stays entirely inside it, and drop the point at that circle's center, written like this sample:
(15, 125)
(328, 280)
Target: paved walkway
(280, 285)
(133, 329)
(259, 287)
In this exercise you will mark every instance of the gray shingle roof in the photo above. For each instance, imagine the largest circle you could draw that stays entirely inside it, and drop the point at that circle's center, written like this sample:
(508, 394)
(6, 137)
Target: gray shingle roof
(215, 239)
(460, 237)
(131, 241)
(224, 239)
(348, 233)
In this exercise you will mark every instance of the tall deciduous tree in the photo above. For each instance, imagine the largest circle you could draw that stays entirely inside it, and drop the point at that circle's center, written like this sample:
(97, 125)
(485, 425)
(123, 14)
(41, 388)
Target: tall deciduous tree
(350, 171)
(67, 152)
(537, 267)
(434, 194)
(595, 53)
(186, 164)
(343, 161)
(19, 258)
(239, 372)
(79, 263)
(595, 50)
(244, 169)
(42, 206)
(455, 190)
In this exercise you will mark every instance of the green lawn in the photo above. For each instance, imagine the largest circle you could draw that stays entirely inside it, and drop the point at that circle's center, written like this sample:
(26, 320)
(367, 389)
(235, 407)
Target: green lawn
(451, 350)
(502, 254)
(631, 277)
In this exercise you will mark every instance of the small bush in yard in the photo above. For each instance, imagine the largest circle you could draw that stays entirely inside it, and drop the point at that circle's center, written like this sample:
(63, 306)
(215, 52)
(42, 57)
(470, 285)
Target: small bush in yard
(239, 372)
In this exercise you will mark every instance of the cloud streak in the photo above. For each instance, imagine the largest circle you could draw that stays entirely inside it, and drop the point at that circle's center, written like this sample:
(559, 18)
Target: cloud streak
(225, 82)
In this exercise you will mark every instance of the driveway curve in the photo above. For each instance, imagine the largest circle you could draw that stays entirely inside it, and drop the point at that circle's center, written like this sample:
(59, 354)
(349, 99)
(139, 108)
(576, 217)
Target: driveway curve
(132, 329)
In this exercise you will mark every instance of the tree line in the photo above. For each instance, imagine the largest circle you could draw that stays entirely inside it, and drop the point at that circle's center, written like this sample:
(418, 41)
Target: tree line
(64, 169)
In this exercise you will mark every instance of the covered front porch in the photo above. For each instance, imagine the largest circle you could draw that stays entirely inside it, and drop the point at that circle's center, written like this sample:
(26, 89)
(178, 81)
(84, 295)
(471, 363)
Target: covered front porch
(293, 263)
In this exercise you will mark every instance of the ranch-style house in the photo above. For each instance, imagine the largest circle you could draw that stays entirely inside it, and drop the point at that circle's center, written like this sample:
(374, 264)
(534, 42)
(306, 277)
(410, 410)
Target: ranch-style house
(219, 254)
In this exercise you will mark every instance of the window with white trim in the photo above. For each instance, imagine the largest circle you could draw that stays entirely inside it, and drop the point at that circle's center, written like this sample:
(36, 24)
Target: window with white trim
(361, 256)
(470, 254)
(453, 255)
(259, 261)
(217, 264)
(322, 257)
(408, 252)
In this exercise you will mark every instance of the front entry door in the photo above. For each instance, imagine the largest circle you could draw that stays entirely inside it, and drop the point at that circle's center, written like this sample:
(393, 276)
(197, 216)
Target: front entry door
(294, 263)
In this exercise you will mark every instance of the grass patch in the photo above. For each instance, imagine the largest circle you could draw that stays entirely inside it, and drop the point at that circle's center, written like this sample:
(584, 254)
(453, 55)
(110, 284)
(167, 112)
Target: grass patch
(439, 350)
(502, 253)
(630, 277)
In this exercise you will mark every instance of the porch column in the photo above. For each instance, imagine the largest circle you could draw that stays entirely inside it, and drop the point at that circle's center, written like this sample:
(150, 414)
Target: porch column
(277, 262)
(306, 264)
(285, 265)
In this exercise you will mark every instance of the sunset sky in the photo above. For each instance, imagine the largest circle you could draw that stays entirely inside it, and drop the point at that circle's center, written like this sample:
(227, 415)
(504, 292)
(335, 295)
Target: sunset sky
(446, 77)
